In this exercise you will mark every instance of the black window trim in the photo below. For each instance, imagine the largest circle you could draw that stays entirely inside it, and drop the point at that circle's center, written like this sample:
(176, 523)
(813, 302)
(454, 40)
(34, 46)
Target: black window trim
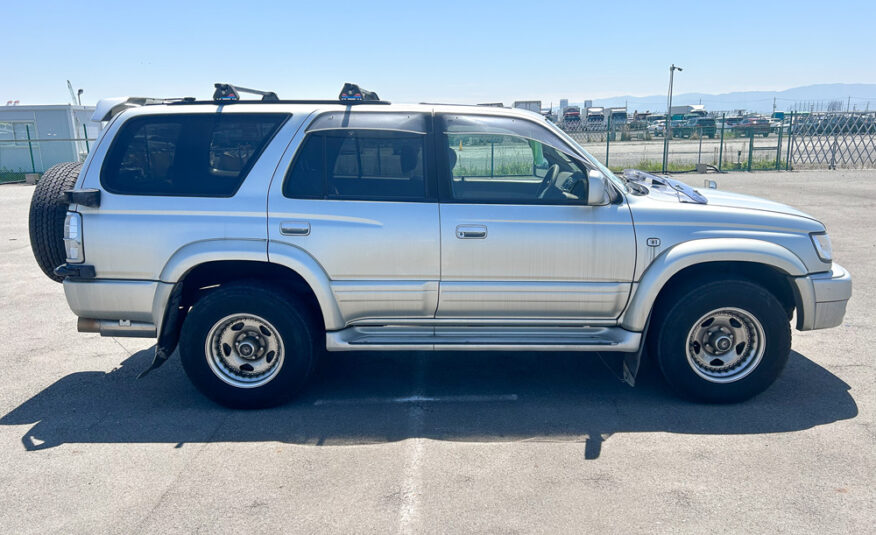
(430, 193)
(445, 178)
(244, 173)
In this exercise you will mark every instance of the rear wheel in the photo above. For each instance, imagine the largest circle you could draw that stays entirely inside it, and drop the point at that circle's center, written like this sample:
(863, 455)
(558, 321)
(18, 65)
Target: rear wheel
(246, 345)
(721, 342)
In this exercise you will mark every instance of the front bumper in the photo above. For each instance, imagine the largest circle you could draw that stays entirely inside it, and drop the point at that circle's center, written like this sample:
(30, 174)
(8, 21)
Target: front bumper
(822, 298)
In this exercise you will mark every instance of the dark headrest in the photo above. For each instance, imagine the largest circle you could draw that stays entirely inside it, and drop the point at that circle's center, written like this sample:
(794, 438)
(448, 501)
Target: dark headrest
(409, 156)
(452, 157)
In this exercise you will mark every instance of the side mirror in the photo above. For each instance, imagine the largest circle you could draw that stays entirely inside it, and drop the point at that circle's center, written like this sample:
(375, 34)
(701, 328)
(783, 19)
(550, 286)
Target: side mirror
(711, 184)
(597, 190)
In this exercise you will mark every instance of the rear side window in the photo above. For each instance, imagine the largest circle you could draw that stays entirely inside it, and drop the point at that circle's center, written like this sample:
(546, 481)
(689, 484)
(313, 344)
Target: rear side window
(195, 155)
(354, 164)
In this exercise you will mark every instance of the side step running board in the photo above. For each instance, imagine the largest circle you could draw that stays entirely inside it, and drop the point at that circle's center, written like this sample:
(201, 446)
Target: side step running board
(450, 338)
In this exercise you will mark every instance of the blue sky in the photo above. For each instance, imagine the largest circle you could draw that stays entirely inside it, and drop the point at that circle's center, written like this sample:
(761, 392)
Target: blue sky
(437, 51)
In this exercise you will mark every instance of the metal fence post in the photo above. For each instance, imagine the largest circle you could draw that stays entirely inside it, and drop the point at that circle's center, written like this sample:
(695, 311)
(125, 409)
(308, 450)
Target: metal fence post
(700, 150)
(607, 138)
(790, 143)
(779, 147)
(30, 148)
(85, 131)
(721, 150)
(750, 148)
(666, 143)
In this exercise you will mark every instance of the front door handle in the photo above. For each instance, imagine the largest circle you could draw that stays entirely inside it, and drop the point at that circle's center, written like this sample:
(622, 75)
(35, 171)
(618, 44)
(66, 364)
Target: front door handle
(469, 232)
(295, 228)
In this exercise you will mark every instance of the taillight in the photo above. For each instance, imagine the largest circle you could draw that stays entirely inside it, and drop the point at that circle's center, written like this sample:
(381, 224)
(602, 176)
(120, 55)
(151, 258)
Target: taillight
(73, 238)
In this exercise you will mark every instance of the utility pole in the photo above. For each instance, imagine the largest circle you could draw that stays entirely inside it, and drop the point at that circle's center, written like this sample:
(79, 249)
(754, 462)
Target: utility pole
(774, 105)
(667, 130)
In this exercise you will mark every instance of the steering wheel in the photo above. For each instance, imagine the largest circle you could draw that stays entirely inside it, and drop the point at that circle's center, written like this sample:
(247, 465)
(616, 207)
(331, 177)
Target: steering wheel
(548, 180)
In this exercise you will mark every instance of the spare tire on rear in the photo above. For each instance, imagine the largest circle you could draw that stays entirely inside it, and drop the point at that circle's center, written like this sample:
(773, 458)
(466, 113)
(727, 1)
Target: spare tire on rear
(47, 212)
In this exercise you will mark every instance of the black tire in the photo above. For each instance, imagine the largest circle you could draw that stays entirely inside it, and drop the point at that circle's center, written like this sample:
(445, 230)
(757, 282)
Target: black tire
(677, 317)
(47, 212)
(290, 322)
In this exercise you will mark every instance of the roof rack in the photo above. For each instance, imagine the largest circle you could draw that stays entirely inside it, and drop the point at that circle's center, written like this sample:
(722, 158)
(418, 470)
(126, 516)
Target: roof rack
(226, 92)
(350, 95)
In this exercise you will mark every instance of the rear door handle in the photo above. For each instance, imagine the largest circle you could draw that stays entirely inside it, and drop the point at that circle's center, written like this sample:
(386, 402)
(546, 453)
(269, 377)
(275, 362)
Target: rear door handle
(469, 232)
(295, 228)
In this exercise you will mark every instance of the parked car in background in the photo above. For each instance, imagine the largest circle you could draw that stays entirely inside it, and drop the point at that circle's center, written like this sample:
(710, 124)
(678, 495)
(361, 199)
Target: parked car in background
(572, 117)
(656, 128)
(732, 122)
(638, 124)
(700, 126)
(674, 126)
(756, 126)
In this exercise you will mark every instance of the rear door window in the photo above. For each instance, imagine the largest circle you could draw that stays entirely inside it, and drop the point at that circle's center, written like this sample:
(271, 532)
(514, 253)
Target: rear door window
(357, 164)
(197, 155)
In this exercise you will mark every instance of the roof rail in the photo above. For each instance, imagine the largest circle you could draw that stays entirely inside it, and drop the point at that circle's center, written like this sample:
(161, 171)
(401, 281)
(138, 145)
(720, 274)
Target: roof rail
(107, 108)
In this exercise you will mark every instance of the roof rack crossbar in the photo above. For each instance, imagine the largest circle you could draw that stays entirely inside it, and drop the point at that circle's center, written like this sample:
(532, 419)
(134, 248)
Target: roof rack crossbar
(231, 92)
(285, 101)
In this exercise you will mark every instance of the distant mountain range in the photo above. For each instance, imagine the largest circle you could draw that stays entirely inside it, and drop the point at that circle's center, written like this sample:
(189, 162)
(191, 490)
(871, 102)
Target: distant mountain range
(817, 97)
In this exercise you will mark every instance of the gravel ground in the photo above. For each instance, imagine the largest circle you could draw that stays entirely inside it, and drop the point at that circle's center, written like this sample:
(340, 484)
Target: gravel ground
(458, 442)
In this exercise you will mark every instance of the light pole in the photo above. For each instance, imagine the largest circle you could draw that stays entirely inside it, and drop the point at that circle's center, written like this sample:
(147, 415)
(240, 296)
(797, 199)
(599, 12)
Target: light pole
(667, 130)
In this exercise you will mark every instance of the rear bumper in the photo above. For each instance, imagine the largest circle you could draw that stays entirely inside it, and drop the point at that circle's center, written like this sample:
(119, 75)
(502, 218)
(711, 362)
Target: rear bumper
(118, 307)
(822, 298)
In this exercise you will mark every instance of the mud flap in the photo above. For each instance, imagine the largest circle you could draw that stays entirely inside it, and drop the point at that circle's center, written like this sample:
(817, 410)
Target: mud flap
(632, 361)
(624, 366)
(631, 366)
(169, 335)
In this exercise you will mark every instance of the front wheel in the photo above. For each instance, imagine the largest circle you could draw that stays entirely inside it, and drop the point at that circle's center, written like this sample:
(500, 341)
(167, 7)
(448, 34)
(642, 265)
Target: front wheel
(247, 346)
(721, 342)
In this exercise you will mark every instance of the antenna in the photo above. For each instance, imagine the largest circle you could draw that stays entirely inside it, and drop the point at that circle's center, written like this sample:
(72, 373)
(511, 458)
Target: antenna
(72, 93)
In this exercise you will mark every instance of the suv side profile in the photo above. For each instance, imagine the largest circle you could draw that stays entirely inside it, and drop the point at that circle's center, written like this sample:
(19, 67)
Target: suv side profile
(254, 235)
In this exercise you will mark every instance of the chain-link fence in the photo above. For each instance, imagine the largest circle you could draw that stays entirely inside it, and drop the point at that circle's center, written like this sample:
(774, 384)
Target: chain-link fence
(23, 154)
(833, 140)
(731, 142)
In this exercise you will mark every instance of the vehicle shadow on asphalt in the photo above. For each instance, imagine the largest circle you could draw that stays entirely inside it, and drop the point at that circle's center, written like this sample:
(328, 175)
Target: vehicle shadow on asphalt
(370, 398)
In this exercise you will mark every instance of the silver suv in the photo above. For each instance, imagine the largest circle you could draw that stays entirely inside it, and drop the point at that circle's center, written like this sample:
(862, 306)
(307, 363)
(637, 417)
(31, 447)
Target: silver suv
(254, 235)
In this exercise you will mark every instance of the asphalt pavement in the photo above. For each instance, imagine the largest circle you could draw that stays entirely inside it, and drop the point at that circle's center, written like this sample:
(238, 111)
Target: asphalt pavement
(439, 443)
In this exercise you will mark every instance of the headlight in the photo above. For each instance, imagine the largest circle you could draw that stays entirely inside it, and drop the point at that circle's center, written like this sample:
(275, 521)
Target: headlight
(73, 237)
(821, 241)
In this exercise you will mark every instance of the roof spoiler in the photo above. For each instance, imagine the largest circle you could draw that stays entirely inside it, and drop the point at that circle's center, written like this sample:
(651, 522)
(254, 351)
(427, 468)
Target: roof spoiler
(107, 108)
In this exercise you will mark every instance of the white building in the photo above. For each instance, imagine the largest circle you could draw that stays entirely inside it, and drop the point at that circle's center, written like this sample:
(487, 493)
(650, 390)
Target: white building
(34, 138)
